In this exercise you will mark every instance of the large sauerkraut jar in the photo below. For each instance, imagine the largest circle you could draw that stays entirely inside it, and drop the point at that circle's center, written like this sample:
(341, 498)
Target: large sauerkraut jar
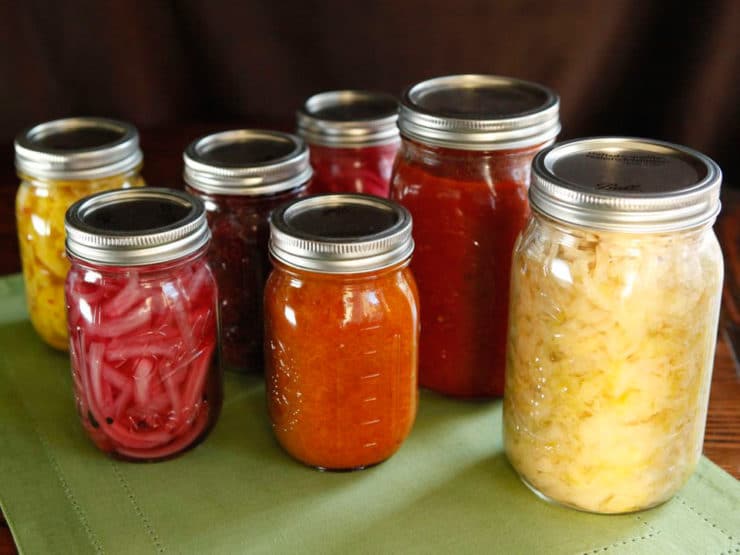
(615, 295)
(59, 162)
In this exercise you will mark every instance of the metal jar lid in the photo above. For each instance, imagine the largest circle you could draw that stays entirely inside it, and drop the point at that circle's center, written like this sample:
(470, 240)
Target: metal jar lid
(132, 227)
(247, 162)
(349, 118)
(625, 184)
(341, 233)
(77, 149)
(479, 112)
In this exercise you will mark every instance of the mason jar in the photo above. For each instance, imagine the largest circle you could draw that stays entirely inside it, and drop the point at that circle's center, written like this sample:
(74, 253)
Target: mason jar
(342, 328)
(58, 163)
(242, 176)
(615, 295)
(142, 312)
(463, 172)
(353, 140)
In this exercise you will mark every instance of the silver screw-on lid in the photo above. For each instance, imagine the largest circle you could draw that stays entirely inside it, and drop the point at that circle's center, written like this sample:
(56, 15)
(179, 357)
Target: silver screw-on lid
(341, 233)
(349, 118)
(132, 227)
(479, 112)
(77, 149)
(626, 184)
(247, 162)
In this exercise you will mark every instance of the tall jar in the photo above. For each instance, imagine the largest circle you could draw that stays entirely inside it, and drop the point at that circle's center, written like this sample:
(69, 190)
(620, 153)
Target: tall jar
(241, 176)
(353, 140)
(615, 296)
(58, 163)
(143, 325)
(342, 328)
(463, 172)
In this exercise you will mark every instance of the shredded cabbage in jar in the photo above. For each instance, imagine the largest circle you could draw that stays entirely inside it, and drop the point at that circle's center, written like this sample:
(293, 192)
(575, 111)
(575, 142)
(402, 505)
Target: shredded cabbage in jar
(611, 346)
(40, 209)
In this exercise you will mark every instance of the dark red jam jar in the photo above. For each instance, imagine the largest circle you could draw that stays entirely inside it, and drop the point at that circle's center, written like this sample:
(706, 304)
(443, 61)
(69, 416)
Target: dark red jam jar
(463, 172)
(241, 176)
(143, 321)
(353, 140)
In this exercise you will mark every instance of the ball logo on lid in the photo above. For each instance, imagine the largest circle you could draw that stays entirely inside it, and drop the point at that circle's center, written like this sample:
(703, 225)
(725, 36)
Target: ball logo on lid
(625, 184)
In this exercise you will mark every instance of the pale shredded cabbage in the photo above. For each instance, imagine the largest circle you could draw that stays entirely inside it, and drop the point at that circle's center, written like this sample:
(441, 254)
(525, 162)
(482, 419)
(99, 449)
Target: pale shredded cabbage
(611, 346)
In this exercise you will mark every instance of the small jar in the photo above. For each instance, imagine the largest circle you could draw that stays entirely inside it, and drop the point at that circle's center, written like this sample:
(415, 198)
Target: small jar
(58, 163)
(616, 285)
(463, 172)
(142, 310)
(342, 327)
(353, 140)
(241, 176)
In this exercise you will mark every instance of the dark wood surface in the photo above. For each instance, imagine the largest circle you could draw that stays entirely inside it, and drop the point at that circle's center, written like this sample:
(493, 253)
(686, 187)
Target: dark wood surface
(163, 167)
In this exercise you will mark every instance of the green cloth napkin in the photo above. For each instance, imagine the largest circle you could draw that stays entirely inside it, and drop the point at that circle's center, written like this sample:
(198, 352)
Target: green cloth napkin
(448, 490)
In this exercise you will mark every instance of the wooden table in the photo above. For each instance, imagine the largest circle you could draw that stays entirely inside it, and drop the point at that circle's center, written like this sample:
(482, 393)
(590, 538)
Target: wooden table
(163, 168)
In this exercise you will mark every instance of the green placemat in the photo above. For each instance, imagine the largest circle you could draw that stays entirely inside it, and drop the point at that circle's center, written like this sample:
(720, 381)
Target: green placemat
(448, 490)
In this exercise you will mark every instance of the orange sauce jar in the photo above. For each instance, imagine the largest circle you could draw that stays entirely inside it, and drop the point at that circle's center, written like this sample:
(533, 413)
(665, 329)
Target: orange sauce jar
(341, 330)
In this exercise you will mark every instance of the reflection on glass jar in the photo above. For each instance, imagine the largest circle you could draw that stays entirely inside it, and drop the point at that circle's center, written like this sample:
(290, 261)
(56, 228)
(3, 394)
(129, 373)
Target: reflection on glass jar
(464, 179)
(60, 162)
(342, 324)
(614, 309)
(353, 140)
(242, 176)
(142, 310)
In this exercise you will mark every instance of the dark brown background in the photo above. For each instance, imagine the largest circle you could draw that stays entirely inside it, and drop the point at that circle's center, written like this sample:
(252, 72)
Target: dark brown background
(654, 68)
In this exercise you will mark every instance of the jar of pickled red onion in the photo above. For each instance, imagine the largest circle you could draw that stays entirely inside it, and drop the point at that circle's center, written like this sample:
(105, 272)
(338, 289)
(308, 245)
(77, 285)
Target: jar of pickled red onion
(142, 316)
(353, 140)
(242, 176)
(615, 297)
(342, 328)
(463, 172)
(58, 163)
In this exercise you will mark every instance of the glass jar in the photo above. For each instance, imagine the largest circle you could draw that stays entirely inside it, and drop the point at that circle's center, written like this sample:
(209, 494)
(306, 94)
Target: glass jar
(142, 310)
(463, 172)
(353, 140)
(241, 176)
(616, 285)
(342, 326)
(58, 163)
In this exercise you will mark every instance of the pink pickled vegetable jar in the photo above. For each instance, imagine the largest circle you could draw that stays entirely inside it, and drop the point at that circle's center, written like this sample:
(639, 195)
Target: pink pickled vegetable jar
(142, 318)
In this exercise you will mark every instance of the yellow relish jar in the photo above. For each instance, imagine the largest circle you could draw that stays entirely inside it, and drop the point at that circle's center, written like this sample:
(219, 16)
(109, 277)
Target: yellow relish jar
(58, 163)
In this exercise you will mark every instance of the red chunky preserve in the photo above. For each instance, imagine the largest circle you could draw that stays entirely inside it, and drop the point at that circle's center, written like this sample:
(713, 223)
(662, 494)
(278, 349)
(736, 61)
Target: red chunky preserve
(143, 321)
(353, 170)
(353, 138)
(142, 344)
(463, 172)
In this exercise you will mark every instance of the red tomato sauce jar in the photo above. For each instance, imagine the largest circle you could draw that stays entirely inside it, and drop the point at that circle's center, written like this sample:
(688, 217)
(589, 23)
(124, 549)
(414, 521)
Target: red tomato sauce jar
(241, 176)
(353, 140)
(342, 328)
(142, 318)
(463, 172)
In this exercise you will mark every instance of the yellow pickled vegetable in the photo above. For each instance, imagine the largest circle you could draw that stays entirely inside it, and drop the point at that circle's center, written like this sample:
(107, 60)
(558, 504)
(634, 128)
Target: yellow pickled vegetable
(611, 346)
(40, 209)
